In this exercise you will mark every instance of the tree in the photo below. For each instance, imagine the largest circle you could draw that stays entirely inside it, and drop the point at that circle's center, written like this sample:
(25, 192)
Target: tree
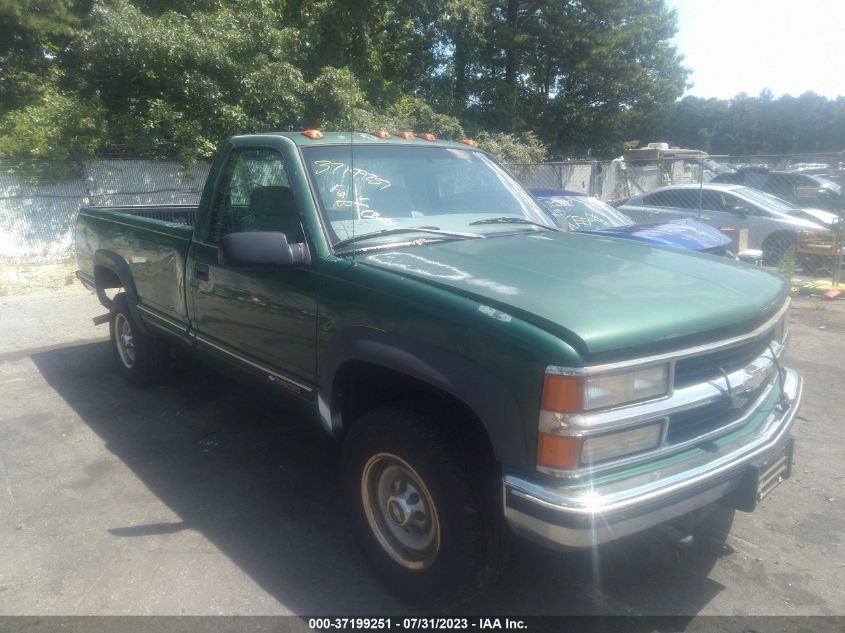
(32, 34)
(171, 78)
(748, 125)
(512, 148)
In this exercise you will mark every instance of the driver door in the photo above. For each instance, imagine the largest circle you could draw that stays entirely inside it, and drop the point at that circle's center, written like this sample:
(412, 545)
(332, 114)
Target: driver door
(261, 319)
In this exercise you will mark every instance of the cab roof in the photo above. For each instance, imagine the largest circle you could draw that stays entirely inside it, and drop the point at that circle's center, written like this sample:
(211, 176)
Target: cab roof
(345, 138)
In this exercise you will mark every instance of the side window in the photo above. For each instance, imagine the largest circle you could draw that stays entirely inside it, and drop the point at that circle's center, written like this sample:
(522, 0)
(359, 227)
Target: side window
(680, 199)
(748, 208)
(254, 194)
(712, 201)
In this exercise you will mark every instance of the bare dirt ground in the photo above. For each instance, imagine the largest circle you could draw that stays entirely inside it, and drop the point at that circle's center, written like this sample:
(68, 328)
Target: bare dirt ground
(200, 497)
(19, 279)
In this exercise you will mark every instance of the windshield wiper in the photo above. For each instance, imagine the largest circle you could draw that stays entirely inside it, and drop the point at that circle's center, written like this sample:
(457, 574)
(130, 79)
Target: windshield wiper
(512, 219)
(406, 229)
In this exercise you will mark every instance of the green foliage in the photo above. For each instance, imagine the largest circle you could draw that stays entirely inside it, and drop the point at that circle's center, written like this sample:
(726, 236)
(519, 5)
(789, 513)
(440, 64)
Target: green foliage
(582, 75)
(410, 113)
(176, 85)
(758, 125)
(32, 32)
(169, 78)
(513, 148)
(49, 137)
(788, 265)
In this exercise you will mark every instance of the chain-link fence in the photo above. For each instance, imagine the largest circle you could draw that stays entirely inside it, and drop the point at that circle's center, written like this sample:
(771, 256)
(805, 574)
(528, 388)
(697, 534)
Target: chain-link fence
(36, 219)
(780, 211)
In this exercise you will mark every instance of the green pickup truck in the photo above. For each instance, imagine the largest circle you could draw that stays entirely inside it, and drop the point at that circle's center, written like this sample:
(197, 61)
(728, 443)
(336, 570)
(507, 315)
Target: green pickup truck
(483, 369)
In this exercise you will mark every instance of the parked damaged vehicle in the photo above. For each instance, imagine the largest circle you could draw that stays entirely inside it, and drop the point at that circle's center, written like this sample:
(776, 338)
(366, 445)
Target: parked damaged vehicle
(773, 224)
(580, 212)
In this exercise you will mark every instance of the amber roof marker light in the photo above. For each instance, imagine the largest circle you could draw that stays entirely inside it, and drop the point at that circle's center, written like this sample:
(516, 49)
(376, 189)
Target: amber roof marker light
(427, 136)
(408, 136)
(469, 141)
(312, 134)
(381, 134)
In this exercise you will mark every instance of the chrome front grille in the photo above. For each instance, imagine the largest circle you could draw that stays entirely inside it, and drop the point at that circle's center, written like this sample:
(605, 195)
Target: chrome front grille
(704, 420)
(695, 369)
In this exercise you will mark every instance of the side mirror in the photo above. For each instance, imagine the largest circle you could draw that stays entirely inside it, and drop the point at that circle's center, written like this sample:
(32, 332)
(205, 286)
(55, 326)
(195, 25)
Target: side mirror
(260, 249)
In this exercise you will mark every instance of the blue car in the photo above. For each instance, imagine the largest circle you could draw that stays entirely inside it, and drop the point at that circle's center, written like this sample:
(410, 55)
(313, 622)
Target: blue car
(586, 214)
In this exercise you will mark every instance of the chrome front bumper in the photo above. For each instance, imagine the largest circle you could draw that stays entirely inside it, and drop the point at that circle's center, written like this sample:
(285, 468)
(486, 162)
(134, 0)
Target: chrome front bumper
(578, 515)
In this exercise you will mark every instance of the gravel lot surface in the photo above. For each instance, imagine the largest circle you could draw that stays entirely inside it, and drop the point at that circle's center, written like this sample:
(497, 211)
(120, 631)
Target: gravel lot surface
(200, 497)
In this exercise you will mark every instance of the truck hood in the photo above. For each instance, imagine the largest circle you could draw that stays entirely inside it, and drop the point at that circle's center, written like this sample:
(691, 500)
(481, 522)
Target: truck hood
(601, 294)
(689, 234)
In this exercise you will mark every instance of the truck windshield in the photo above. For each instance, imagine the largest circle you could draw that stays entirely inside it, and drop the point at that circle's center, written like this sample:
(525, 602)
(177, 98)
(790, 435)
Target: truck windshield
(364, 189)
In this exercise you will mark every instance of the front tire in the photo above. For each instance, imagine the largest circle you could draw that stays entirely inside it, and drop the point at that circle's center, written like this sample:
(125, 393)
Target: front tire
(141, 359)
(424, 503)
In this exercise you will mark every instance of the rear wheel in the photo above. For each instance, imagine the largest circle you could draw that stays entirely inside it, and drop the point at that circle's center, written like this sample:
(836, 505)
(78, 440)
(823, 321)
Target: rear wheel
(141, 359)
(424, 504)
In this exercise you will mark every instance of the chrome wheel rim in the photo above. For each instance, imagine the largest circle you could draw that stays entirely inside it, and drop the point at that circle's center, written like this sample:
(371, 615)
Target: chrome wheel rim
(400, 511)
(124, 340)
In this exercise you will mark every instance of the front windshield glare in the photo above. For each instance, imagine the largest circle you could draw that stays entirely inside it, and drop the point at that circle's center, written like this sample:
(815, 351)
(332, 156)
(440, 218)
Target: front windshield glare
(828, 184)
(366, 189)
(767, 200)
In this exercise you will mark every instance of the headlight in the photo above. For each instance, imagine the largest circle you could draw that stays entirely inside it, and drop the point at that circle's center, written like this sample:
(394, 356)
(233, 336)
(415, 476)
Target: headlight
(572, 394)
(560, 447)
(616, 389)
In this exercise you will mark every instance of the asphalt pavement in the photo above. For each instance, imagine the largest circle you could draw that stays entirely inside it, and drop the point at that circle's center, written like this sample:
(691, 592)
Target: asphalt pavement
(201, 497)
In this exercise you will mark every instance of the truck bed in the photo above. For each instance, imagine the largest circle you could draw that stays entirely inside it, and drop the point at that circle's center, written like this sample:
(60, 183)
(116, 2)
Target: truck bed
(152, 239)
(172, 214)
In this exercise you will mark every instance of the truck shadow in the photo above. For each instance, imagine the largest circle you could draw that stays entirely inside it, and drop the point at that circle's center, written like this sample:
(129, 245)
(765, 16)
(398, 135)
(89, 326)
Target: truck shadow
(261, 485)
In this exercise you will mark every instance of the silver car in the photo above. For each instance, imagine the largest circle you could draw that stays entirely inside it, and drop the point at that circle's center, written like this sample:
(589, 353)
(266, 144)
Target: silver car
(772, 223)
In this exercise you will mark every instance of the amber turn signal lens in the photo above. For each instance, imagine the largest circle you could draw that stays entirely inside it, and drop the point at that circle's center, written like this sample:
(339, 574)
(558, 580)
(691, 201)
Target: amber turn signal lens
(381, 134)
(313, 133)
(563, 394)
(469, 141)
(558, 451)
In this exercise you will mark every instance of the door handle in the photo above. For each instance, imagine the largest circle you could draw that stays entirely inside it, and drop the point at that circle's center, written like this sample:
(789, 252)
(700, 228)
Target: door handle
(201, 271)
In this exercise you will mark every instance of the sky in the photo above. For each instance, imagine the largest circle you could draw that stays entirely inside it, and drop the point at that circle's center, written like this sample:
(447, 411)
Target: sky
(788, 46)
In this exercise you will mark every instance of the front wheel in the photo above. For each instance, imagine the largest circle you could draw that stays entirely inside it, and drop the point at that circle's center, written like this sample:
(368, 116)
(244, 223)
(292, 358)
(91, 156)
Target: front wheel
(424, 504)
(141, 359)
